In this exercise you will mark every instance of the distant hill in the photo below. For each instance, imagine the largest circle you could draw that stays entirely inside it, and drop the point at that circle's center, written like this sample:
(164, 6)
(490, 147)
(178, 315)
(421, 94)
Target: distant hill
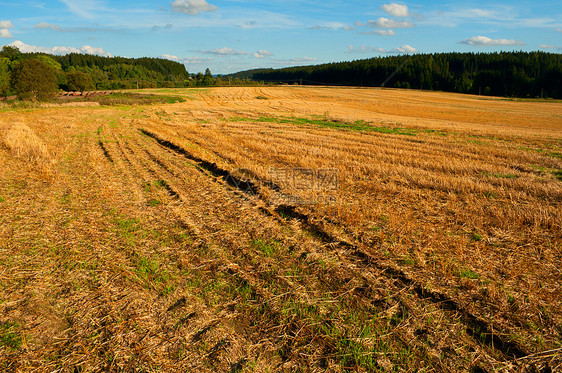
(510, 74)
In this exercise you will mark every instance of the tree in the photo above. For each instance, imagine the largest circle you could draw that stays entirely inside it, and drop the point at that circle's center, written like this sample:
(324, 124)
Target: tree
(208, 79)
(11, 53)
(79, 81)
(4, 76)
(34, 79)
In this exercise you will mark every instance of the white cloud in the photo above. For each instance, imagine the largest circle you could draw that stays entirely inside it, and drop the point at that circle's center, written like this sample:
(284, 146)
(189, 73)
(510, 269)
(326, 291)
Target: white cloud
(5, 33)
(364, 49)
(396, 10)
(379, 32)
(196, 60)
(50, 26)
(45, 26)
(262, 54)
(192, 6)
(304, 59)
(187, 60)
(168, 26)
(559, 29)
(82, 8)
(485, 41)
(294, 61)
(4, 29)
(170, 57)
(86, 49)
(547, 46)
(248, 25)
(225, 52)
(404, 49)
(333, 26)
(498, 15)
(389, 23)
(6, 24)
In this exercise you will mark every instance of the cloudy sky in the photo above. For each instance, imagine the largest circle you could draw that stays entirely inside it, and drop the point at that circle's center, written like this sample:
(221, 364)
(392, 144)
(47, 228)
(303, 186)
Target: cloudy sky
(233, 35)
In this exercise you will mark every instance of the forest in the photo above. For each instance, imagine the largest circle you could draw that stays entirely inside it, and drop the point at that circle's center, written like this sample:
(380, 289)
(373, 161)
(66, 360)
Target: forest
(38, 75)
(509, 74)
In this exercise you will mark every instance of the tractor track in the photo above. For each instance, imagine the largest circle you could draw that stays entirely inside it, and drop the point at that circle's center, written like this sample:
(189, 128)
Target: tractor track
(265, 298)
(482, 331)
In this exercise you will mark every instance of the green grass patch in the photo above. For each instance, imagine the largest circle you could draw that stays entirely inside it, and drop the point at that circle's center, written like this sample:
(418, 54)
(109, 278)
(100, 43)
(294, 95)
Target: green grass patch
(557, 174)
(151, 272)
(129, 98)
(475, 236)
(154, 202)
(128, 225)
(2, 199)
(408, 260)
(128, 229)
(500, 175)
(550, 153)
(467, 273)
(358, 125)
(268, 248)
(506, 176)
(160, 184)
(9, 337)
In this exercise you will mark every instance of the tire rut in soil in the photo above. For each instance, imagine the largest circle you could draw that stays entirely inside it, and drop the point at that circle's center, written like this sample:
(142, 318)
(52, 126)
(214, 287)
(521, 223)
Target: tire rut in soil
(244, 280)
(137, 164)
(273, 314)
(246, 186)
(480, 330)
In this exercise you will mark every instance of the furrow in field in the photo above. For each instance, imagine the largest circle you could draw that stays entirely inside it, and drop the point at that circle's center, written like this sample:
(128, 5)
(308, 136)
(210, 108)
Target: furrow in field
(431, 169)
(474, 324)
(367, 278)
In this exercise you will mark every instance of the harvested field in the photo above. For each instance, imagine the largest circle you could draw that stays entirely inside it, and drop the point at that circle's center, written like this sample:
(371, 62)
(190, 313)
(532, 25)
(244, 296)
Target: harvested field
(283, 229)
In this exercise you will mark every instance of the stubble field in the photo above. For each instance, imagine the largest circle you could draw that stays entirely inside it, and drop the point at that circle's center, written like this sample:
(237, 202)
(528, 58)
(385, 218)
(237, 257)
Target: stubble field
(282, 229)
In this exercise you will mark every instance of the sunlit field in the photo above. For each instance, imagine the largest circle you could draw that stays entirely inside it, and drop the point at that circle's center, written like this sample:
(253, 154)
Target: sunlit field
(282, 229)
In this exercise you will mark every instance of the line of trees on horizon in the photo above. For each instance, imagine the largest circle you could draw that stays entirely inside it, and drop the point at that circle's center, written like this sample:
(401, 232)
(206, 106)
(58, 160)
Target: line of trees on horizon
(40, 75)
(508, 74)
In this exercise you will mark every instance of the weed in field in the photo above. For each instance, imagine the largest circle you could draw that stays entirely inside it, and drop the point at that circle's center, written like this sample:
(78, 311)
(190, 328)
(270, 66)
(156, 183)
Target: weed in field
(154, 202)
(501, 175)
(476, 236)
(408, 260)
(9, 337)
(2, 199)
(160, 183)
(153, 274)
(358, 125)
(468, 273)
(268, 248)
(133, 99)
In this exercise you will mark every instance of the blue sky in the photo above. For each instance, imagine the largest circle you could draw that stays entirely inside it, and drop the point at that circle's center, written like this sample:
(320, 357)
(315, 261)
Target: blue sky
(233, 35)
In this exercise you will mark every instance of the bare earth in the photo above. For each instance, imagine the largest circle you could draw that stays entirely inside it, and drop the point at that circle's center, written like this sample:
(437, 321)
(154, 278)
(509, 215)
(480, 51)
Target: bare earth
(282, 229)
